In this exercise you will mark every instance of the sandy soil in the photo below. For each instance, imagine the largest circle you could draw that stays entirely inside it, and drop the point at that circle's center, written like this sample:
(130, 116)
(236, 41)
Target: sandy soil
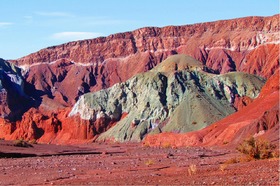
(130, 164)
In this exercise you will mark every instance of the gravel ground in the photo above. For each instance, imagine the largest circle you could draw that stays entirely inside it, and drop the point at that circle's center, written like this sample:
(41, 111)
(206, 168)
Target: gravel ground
(131, 164)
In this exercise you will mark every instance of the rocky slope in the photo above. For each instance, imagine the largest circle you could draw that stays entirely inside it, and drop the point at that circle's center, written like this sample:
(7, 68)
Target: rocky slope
(234, 35)
(181, 94)
(13, 100)
(176, 96)
(65, 72)
(259, 119)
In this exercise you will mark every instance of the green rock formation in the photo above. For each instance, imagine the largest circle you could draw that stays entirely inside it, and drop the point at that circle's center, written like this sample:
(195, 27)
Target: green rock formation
(179, 95)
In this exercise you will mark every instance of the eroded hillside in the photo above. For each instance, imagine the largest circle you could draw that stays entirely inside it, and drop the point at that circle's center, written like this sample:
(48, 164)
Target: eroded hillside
(124, 86)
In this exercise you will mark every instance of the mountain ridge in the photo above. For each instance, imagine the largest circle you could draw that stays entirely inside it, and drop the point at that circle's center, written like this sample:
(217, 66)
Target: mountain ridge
(259, 119)
(224, 46)
(154, 31)
(58, 77)
(178, 85)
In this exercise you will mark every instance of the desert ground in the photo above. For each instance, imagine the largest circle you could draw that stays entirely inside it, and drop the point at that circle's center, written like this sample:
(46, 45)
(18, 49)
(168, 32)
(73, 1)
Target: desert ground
(131, 164)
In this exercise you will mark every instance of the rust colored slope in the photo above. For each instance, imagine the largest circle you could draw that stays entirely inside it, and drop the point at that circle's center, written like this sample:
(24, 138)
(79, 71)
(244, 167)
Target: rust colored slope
(66, 71)
(235, 34)
(260, 118)
(264, 60)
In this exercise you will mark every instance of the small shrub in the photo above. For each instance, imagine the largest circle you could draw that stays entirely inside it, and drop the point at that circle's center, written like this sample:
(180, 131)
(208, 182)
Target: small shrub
(246, 159)
(237, 160)
(231, 161)
(257, 148)
(149, 162)
(22, 143)
(223, 167)
(33, 141)
(192, 169)
(275, 154)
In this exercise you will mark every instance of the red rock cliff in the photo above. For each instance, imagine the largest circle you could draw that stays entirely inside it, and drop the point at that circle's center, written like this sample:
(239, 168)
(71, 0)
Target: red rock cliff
(58, 75)
(66, 71)
(236, 35)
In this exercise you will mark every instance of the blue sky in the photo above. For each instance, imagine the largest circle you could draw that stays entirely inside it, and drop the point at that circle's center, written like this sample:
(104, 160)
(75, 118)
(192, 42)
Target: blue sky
(27, 26)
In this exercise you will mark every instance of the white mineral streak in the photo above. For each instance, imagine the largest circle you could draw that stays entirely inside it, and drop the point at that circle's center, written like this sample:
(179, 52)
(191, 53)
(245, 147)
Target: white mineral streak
(82, 109)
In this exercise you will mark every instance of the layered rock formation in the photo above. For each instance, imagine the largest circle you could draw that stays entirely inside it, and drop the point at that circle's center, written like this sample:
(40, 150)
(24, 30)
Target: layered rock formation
(67, 71)
(234, 35)
(176, 96)
(179, 95)
(259, 119)
(13, 100)
(47, 127)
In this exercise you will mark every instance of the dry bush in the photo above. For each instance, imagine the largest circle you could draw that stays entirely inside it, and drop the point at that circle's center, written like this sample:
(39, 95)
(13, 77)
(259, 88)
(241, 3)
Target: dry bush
(245, 159)
(192, 169)
(22, 143)
(275, 154)
(231, 161)
(149, 162)
(223, 167)
(33, 141)
(257, 148)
